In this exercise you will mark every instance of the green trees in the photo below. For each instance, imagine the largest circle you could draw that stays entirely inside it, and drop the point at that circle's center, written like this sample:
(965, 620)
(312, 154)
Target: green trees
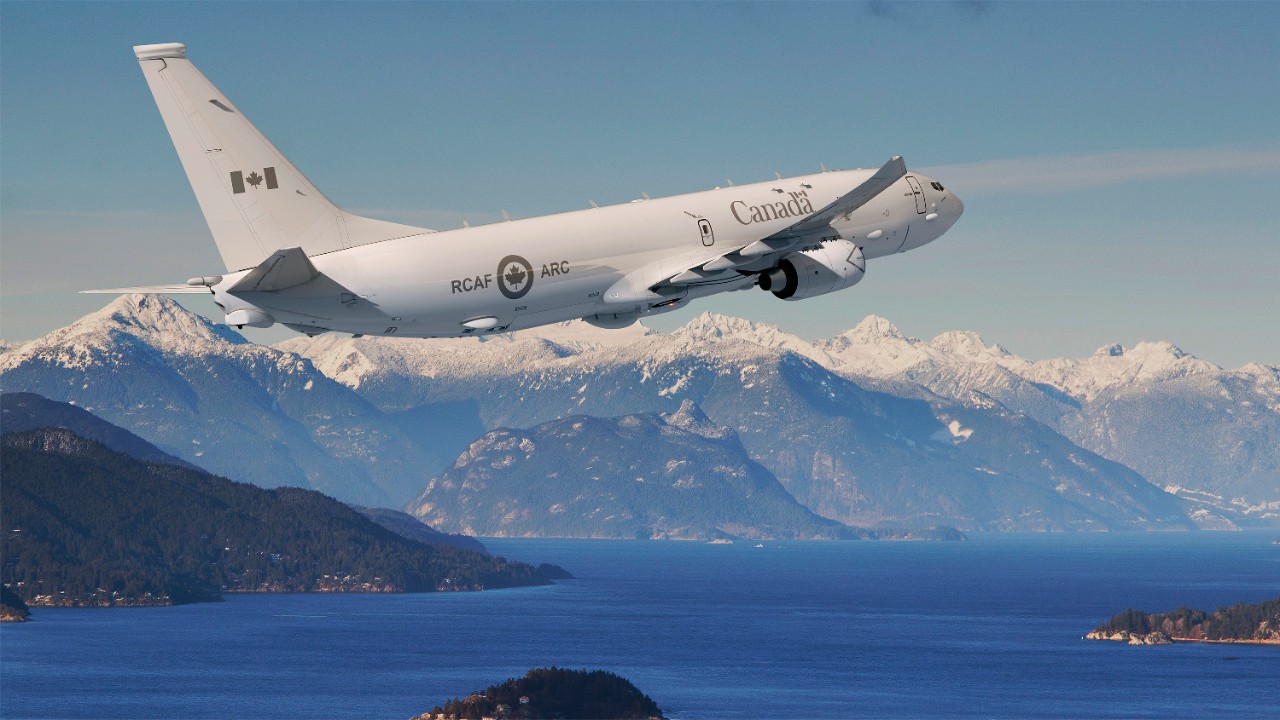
(1130, 620)
(1244, 621)
(83, 525)
(556, 693)
(1260, 621)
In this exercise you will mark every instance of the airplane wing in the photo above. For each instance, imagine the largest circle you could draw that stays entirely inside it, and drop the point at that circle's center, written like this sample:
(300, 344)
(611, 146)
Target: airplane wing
(844, 205)
(283, 269)
(719, 268)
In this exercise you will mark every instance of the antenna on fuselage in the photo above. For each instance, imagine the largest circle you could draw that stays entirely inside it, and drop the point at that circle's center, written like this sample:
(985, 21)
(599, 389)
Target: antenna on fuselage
(506, 215)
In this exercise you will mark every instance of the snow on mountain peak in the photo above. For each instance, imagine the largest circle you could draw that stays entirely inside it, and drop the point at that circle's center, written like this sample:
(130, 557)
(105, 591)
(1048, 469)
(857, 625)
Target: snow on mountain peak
(966, 344)
(714, 326)
(158, 317)
(711, 328)
(1157, 351)
(872, 327)
(1115, 366)
(579, 335)
(152, 320)
(874, 348)
(690, 418)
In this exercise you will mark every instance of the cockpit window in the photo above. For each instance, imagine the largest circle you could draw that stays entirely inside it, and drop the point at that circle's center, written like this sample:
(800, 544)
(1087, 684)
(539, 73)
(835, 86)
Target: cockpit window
(936, 186)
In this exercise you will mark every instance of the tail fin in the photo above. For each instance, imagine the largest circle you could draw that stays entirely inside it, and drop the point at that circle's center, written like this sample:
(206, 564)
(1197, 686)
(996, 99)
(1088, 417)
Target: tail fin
(255, 201)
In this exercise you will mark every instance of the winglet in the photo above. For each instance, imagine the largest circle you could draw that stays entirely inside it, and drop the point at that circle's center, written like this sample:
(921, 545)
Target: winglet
(890, 173)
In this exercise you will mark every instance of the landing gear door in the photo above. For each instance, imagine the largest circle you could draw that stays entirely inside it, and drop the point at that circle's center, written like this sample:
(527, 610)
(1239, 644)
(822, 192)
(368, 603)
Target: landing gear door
(918, 192)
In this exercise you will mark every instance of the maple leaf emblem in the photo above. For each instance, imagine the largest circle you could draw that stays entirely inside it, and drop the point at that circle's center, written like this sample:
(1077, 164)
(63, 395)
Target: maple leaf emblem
(515, 275)
(254, 179)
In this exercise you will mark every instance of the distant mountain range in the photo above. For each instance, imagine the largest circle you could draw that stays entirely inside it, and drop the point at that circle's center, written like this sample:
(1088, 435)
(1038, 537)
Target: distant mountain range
(674, 477)
(1208, 434)
(1068, 428)
(868, 428)
(202, 393)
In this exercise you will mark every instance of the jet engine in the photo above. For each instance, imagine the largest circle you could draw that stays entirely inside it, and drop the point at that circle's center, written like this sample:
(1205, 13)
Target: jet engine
(810, 273)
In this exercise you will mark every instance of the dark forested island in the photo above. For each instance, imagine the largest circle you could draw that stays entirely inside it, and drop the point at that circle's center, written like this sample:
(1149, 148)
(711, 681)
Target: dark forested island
(1239, 623)
(12, 609)
(553, 693)
(86, 526)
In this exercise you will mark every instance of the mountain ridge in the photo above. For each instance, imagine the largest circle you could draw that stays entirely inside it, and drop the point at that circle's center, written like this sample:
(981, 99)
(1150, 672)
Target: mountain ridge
(88, 526)
(371, 420)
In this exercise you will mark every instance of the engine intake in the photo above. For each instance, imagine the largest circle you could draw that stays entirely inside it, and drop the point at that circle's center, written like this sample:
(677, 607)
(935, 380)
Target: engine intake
(810, 273)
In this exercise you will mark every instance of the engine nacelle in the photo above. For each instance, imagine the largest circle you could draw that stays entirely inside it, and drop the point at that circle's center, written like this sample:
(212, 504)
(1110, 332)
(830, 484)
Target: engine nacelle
(810, 273)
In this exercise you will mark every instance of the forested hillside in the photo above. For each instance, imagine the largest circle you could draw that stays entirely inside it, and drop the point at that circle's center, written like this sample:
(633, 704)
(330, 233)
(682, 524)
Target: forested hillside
(87, 526)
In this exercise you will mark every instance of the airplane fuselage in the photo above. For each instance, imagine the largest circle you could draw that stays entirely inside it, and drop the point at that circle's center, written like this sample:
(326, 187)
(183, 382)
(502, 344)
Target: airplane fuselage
(296, 258)
(553, 268)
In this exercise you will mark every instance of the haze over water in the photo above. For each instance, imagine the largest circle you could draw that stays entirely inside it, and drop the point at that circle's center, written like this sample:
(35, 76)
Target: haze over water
(986, 628)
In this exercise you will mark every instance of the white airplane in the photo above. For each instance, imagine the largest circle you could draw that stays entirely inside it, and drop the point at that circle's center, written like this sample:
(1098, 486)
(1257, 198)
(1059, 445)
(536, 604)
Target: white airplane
(293, 257)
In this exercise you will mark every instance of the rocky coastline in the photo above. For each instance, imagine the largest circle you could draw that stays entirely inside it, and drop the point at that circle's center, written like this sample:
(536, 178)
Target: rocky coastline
(1158, 637)
(1256, 624)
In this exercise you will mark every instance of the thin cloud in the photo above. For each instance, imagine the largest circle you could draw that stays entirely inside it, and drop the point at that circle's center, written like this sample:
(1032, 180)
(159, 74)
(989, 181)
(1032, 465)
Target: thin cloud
(90, 214)
(1064, 173)
(972, 8)
(890, 11)
(882, 10)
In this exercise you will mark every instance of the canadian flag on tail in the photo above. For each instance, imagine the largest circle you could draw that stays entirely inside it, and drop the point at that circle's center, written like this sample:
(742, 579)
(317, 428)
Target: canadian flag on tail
(238, 180)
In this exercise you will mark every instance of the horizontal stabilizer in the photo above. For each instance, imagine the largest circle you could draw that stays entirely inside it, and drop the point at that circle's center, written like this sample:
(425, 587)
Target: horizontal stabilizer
(151, 290)
(284, 269)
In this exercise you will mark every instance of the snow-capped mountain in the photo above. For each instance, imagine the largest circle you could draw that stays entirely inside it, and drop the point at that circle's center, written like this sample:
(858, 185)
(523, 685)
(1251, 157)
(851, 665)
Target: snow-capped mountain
(678, 476)
(202, 393)
(1188, 425)
(844, 449)
(870, 427)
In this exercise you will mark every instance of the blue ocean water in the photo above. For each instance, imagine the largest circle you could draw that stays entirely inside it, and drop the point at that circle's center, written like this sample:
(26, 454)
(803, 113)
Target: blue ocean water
(987, 628)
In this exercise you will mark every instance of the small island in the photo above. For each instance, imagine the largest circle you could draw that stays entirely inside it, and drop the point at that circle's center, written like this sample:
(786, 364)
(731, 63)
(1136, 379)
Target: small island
(553, 693)
(1257, 624)
(12, 608)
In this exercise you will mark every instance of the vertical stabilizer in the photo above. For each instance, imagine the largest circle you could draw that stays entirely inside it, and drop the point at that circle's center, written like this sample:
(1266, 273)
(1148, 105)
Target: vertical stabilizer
(255, 201)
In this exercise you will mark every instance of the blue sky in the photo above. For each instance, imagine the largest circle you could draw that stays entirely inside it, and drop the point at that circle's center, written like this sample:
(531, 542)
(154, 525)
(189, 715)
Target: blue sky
(1118, 162)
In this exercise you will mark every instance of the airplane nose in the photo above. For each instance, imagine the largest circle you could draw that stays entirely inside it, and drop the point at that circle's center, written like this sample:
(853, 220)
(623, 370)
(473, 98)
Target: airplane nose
(958, 204)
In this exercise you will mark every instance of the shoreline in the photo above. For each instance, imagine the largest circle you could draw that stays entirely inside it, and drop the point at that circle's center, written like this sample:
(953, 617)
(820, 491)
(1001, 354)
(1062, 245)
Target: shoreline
(1159, 638)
